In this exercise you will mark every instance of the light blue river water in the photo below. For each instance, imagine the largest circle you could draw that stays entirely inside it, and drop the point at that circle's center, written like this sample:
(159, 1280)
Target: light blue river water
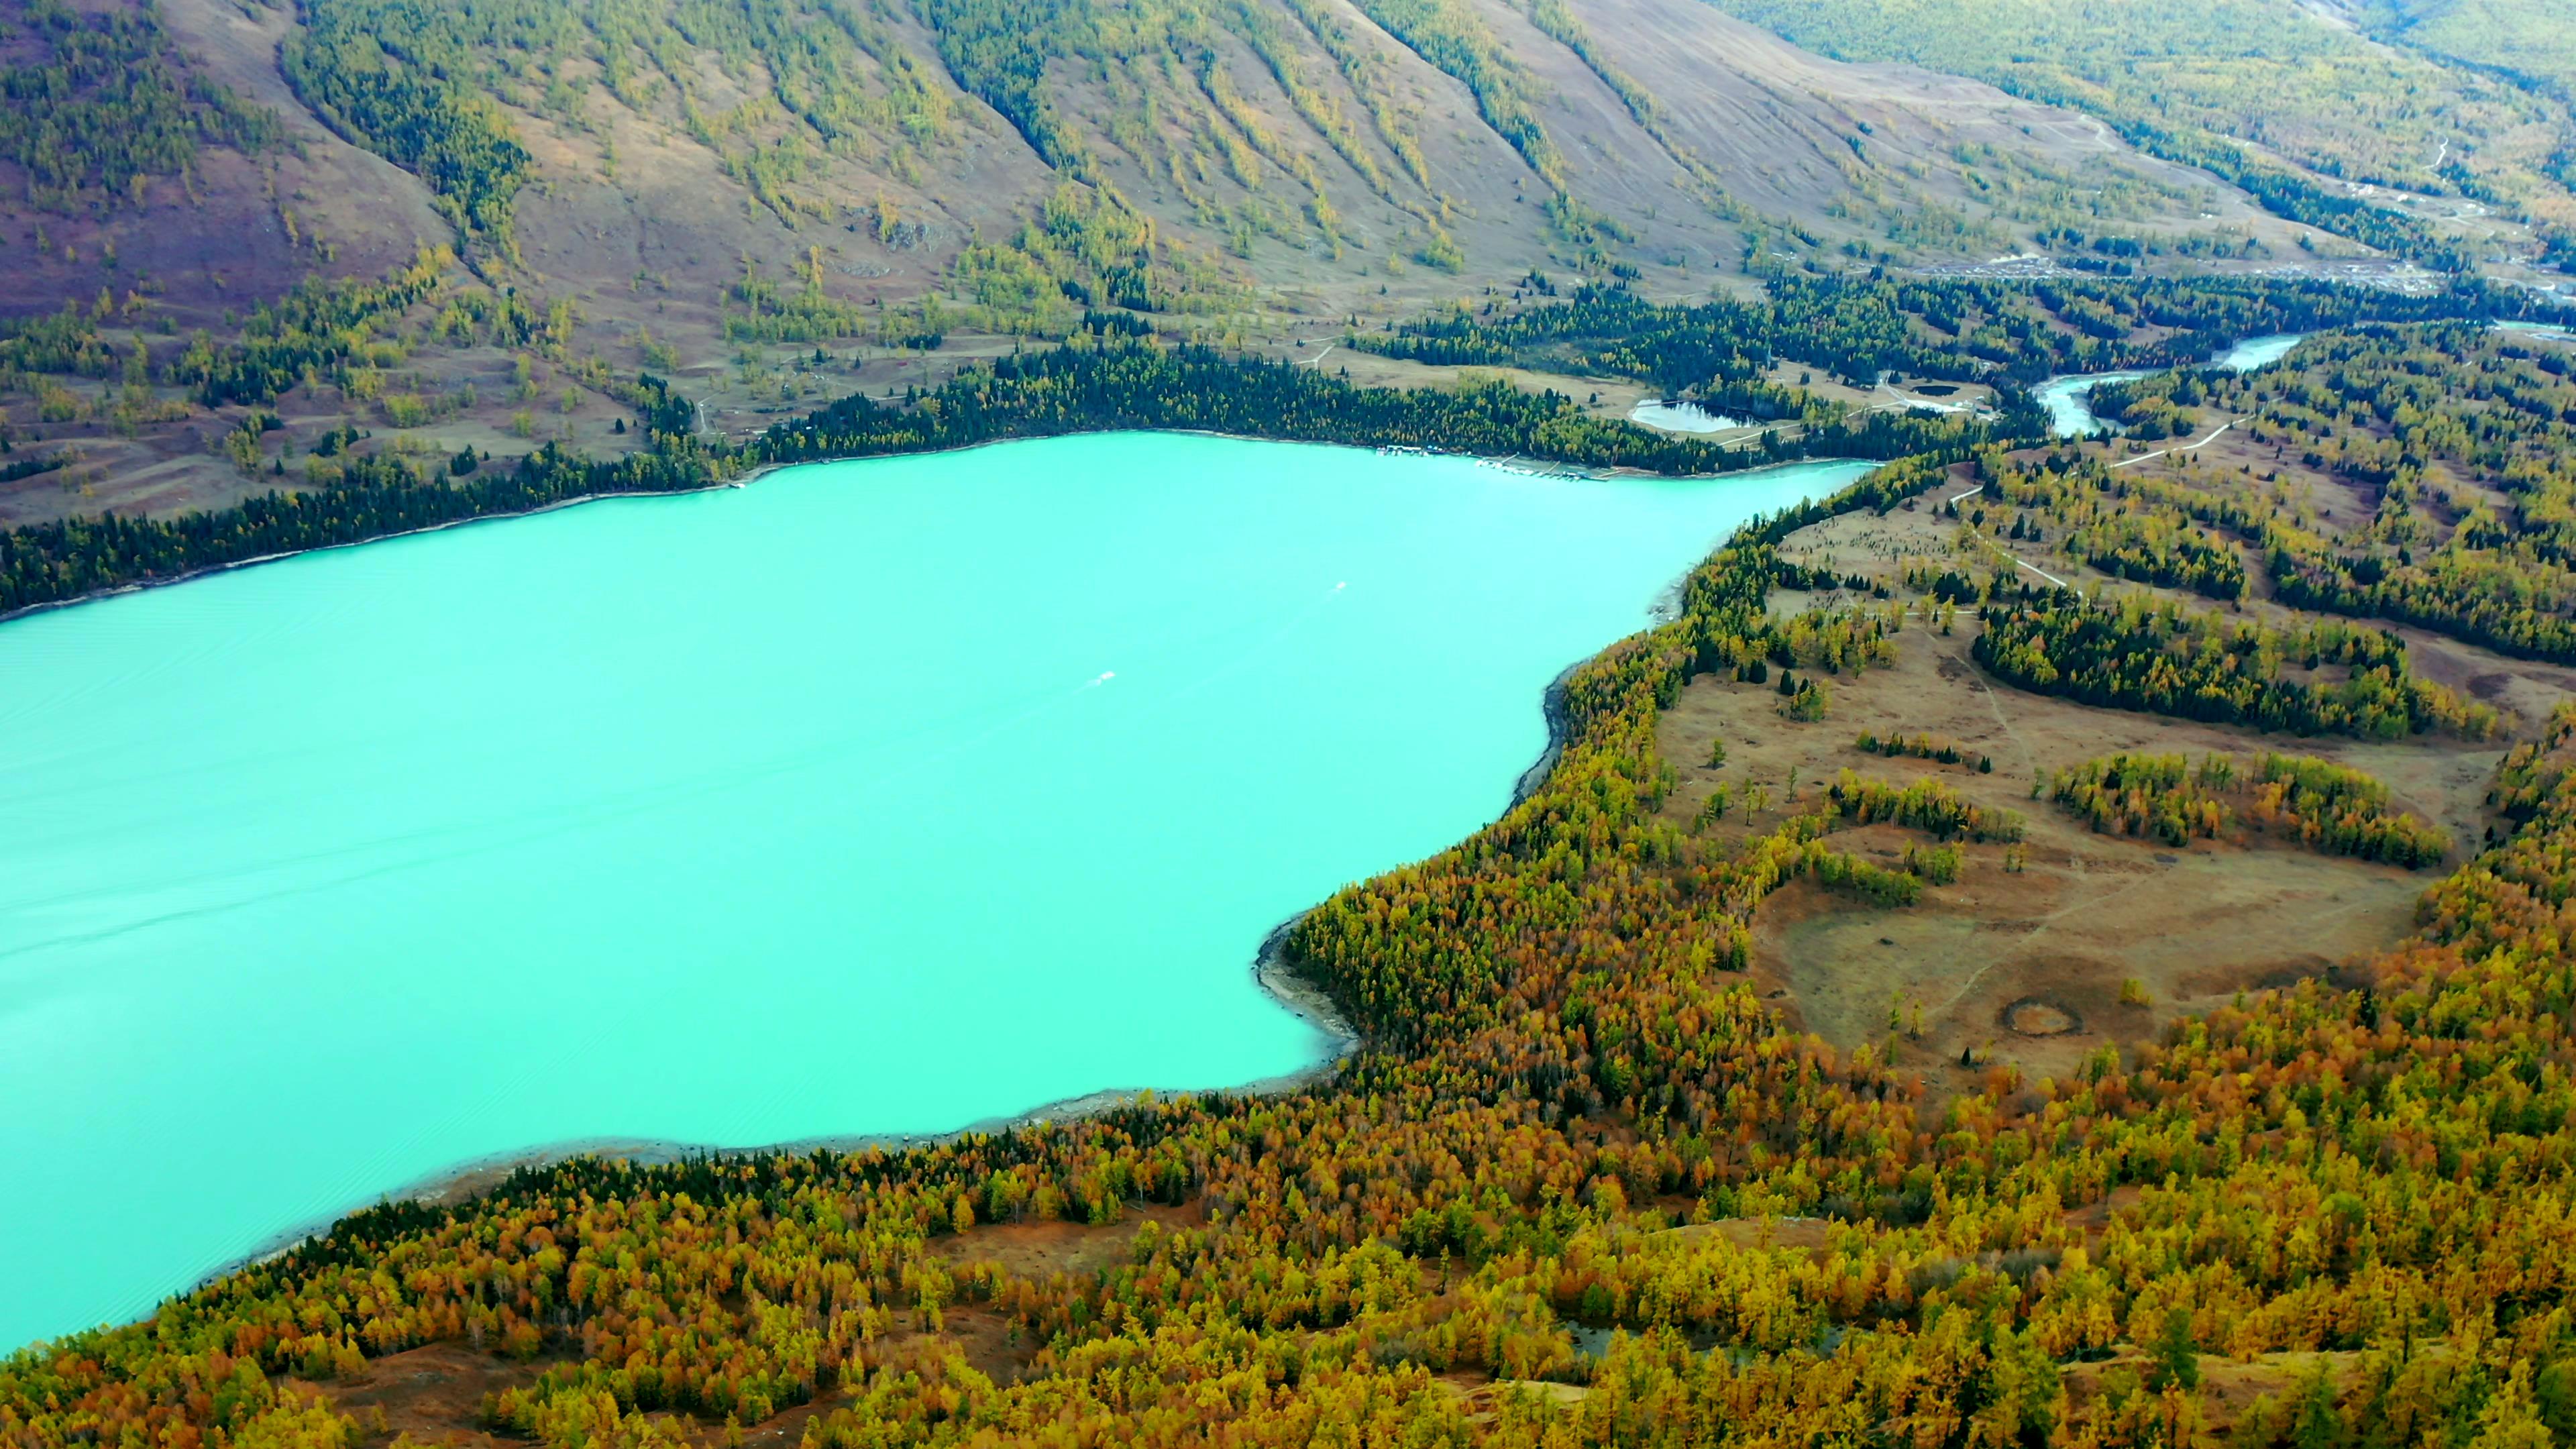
(2068, 398)
(874, 797)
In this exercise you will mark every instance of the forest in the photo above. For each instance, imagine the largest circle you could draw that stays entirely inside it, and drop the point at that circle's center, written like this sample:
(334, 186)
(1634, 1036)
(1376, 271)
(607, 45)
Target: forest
(1581, 1181)
(348, 68)
(2523, 38)
(1110, 383)
(2129, 534)
(111, 107)
(1560, 1067)
(2408, 414)
(2324, 806)
(1856, 327)
(2137, 653)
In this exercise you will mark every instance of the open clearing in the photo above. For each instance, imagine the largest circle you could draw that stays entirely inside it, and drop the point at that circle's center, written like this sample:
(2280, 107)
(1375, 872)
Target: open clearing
(2098, 940)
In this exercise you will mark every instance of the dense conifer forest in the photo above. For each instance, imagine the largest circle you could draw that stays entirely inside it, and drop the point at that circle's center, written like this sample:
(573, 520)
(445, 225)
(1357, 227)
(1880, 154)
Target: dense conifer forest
(1860, 327)
(2400, 412)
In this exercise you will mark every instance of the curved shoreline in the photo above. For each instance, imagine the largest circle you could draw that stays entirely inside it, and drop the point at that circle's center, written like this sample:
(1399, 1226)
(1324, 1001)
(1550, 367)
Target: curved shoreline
(1551, 704)
(1271, 970)
(463, 1182)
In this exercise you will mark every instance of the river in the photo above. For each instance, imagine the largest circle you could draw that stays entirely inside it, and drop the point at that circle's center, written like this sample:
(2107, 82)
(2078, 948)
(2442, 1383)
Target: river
(2066, 398)
(874, 797)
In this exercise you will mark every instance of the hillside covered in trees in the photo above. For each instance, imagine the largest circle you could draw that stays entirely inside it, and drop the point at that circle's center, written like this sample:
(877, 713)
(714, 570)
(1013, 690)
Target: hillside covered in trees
(2062, 943)
(1587, 1179)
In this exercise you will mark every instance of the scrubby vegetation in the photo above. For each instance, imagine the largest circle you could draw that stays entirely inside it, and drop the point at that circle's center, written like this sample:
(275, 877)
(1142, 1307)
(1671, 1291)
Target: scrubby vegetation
(415, 83)
(2325, 806)
(1927, 805)
(1925, 747)
(111, 105)
(2193, 85)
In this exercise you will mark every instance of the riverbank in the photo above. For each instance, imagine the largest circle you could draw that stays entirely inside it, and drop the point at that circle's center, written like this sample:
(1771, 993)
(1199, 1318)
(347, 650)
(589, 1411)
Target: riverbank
(2068, 397)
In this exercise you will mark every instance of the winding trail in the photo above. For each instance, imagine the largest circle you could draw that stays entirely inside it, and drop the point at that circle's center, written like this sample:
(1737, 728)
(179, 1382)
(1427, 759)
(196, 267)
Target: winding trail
(2183, 448)
(2021, 950)
(1998, 548)
(2003, 721)
(2043, 573)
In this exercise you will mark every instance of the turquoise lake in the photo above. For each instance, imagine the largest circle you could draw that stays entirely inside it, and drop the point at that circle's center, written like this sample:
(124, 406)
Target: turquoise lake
(874, 797)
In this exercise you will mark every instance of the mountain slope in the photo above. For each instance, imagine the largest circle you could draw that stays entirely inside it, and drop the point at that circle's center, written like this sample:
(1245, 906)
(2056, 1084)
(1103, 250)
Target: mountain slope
(1304, 142)
(775, 200)
(2245, 86)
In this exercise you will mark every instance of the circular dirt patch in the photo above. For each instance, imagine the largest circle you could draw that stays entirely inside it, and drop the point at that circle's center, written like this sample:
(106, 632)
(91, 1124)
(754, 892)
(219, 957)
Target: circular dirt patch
(2036, 1016)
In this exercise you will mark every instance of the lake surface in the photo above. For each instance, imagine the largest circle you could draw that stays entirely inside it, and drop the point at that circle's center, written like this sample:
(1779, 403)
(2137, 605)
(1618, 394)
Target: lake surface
(1682, 417)
(2068, 398)
(888, 796)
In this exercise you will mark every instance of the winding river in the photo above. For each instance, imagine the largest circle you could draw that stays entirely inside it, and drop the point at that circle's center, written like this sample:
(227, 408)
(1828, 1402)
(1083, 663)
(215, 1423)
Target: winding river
(2066, 398)
(878, 797)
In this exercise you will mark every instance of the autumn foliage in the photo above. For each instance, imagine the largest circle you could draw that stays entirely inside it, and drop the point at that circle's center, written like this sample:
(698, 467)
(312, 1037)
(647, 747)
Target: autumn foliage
(1563, 1070)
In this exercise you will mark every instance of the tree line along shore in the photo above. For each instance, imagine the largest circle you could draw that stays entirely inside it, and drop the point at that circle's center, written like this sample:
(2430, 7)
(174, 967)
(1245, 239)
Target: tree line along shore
(1549, 1197)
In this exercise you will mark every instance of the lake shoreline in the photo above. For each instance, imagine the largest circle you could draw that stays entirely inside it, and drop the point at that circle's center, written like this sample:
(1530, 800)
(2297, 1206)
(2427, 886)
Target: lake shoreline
(1552, 705)
(1513, 462)
(464, 1182)
(1272, 969)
